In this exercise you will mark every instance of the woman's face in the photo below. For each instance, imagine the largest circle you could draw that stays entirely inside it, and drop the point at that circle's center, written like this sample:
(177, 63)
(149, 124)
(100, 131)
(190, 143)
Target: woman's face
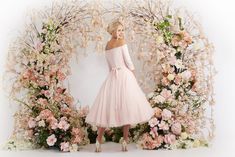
(119, 33)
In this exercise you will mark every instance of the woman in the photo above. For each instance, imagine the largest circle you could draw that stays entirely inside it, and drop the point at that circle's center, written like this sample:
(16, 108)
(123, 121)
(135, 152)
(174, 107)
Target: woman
(120, 101)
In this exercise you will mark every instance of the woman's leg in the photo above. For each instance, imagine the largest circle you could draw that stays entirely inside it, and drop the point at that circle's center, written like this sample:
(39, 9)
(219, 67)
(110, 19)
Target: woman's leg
(100, 133)
(126, 131)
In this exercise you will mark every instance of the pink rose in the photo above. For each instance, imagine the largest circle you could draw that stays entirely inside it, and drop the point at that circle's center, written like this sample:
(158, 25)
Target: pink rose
(166, 114)
(176, 128)
(51, 140)
(153, 122)
(166, 93)
(64, 146)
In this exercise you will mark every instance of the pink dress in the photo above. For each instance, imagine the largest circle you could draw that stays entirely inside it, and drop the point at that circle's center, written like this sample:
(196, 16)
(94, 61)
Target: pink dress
(120, 100)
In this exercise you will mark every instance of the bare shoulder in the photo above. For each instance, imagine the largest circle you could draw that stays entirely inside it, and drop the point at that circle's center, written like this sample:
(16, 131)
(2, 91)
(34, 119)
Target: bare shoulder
(121, 42)
(113, 44)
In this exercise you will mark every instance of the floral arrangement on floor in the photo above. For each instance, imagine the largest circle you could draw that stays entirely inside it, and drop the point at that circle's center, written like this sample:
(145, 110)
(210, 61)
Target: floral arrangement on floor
(182, 56)
(178, 62)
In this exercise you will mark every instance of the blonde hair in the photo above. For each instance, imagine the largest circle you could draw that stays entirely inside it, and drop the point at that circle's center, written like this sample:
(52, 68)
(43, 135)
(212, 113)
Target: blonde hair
(113, 26)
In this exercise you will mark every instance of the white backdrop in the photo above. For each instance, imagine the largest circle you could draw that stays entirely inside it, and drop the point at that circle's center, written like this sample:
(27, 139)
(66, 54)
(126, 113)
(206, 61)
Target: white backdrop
(218, 20)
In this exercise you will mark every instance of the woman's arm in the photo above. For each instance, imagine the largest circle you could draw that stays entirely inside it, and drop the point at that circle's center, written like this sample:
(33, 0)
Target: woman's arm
(127, 59)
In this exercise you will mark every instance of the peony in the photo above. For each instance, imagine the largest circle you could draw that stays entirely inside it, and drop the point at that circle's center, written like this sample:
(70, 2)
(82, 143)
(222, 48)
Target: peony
(166, 114)
(169, 138)
(153, 122)
(64, 146)
(51, 140)
(176, 128)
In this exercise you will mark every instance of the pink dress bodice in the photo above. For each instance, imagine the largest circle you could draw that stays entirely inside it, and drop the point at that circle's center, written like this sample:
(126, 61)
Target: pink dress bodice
(119, 57)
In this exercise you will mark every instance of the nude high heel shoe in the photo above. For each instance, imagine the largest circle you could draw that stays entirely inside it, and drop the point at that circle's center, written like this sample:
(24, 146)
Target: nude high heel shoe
(97, 146)
(124, 146)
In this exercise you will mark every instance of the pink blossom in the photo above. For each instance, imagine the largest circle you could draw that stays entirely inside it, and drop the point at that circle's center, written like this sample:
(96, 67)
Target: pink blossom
(165, 81)
(166, 114)
(154, 132)
(59, 90)
(163, 125)
(186, 74)
(166, 93)
(46, 93)
(83, 111)
(44, 114)
(153, 122)
(42, 101)
(61, 76)
(64, 125)
(31, 123)
(169, 138)
(64, 146)
(177, 79)
(176, 128)
(148, 142)
(51, 140)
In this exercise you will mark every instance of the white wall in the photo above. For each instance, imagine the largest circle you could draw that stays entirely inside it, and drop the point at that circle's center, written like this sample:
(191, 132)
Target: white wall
(218, 19)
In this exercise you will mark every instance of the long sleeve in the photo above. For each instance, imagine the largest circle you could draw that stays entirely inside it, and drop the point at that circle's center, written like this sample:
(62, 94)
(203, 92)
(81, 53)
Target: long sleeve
(108, 63)
(127, 58)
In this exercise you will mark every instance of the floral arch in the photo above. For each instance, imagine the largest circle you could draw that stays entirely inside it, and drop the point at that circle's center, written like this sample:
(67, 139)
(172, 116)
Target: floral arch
(176, 72)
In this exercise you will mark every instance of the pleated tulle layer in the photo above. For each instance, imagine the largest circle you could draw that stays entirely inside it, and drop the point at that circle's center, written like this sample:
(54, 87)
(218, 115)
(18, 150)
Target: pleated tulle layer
(120, 101)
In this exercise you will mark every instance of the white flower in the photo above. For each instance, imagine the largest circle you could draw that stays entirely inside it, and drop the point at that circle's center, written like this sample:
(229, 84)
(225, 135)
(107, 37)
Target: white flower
(73, 148)
(186, 74)
(166, 114)
(170, 77)
(196, 143)
(159, 99)
(41, 123)
(184, 135)
(159, 39)
(153, 122)
(51, 140)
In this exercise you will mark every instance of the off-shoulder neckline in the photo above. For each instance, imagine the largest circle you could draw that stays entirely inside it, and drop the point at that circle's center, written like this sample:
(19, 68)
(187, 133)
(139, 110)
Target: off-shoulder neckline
(115, 47)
